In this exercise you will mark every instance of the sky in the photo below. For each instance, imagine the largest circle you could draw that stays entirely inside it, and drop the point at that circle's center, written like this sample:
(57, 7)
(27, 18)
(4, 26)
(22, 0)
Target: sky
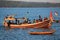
(51, 1)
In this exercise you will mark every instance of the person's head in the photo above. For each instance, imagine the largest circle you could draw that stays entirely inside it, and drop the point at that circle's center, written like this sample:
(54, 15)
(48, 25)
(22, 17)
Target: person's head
(39, 16)
(34, 19)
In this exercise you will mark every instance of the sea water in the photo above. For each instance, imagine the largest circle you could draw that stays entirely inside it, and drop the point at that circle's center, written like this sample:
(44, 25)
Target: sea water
(31, 13)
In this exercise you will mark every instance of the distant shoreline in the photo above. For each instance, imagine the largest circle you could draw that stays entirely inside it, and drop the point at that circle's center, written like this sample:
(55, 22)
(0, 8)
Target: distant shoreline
(27, 4)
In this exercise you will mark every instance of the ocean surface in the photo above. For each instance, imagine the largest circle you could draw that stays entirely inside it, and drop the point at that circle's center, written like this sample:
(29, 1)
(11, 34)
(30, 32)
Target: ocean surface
(31, 13)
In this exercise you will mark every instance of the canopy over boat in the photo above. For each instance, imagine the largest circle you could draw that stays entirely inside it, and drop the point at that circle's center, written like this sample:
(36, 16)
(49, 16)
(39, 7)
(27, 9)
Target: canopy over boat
(12, 18)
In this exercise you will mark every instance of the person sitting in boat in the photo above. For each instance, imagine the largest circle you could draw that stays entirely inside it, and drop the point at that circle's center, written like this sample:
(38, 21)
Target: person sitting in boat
(16, 20)
(40, 19)
(33, 20)
(27, 21)
(9, 22)
(37, 20)
(45, 18)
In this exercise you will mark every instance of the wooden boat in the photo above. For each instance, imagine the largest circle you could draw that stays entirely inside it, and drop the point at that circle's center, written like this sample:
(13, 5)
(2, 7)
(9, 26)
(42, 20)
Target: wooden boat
(43, 24)
(42, 33)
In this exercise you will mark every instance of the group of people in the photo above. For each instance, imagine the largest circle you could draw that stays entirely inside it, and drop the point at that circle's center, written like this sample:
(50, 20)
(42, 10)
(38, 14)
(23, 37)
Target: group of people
(40, 19)
(28, 20)
(35, 20)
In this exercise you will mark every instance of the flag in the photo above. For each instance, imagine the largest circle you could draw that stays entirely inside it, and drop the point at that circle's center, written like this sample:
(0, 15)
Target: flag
(51, 16)
(56, 13)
